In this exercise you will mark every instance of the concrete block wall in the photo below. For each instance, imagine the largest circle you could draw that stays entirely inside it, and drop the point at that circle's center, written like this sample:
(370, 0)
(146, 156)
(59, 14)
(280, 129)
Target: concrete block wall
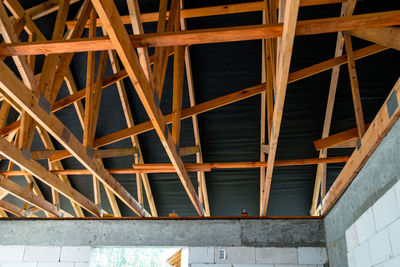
(44, 256)
(258, 257)
(360, 200)
(374, 238)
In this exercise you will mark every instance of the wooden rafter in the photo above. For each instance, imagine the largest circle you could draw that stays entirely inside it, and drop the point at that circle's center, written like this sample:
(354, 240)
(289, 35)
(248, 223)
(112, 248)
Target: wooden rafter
(320, 179)
(186, 113)
(23, 159)
(380, 126)
(201, 179)
(355, 90)
(46, 81)
(268, 76)
(190, 37)
(282, 75)
(141, 179)
(12, 87)
(216, 10)
(109, 16)
(27, 196)
(337, 139)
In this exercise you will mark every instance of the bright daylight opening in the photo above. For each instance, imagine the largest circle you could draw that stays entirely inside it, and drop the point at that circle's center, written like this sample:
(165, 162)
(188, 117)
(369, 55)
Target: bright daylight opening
(138, 257)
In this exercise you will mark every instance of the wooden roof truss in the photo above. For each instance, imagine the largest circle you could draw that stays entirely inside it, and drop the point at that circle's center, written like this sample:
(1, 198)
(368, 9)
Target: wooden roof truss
(34, 97)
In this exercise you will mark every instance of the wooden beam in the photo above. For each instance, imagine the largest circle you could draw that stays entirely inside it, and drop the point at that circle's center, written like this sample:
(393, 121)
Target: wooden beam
(158, 52)
(11, 208)
(201, 179)
(380, 126)
(215, 11)
(268, 76)
(48, 144)
(355, 90)
(177, 93)
(295, 76)
(12, 87)
(19, 13)
(24, 161)
(337, 139)
(137, 26)
(26, 130)
(134, 139)
(186, 113)
(320, 179)
(388, 37)
(57, 155)
(334, 62)
(189, 150)
(27, 196)
(109, 16)
(45, 8)
(90, 84)
(282, 75)
(161, 53)
(194, 167)
(207, 36)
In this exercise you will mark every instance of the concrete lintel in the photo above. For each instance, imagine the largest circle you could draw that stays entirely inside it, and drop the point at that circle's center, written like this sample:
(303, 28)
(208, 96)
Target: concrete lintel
(243, 232)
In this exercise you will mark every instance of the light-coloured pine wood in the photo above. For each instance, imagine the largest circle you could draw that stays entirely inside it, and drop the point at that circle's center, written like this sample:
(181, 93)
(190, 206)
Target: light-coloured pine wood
(268, 76)
(45, 8)
(27, 196)
(355, 90)
(216, 10)
(189, 150)
(337, 139)
(161, 58)
(11, 208)
(137, 26)
(186, 113)
(12, 87)
(194, 167)
(378, 129)
(134, 139)
(388, 37)
(90, 84)
(283, 61)
(26, 126)
(320, 179)
(334, 62)
(56, 165)
(12, 153)
(177, 93)
(207, 36)
(110, 17)
(201, 179)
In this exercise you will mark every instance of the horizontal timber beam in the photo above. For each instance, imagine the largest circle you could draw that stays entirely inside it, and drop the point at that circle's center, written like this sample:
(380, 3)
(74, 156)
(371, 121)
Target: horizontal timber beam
(295, 76)
(331, 63)
(186, 113)
(56, 155)
(380, 126)
(194, 167)
(213, 11)
(337, 139)
(207, 36)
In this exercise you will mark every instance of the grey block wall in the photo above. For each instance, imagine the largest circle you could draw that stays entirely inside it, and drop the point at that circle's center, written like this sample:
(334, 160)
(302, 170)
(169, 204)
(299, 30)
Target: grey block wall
(230, 233)
(378, 175)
